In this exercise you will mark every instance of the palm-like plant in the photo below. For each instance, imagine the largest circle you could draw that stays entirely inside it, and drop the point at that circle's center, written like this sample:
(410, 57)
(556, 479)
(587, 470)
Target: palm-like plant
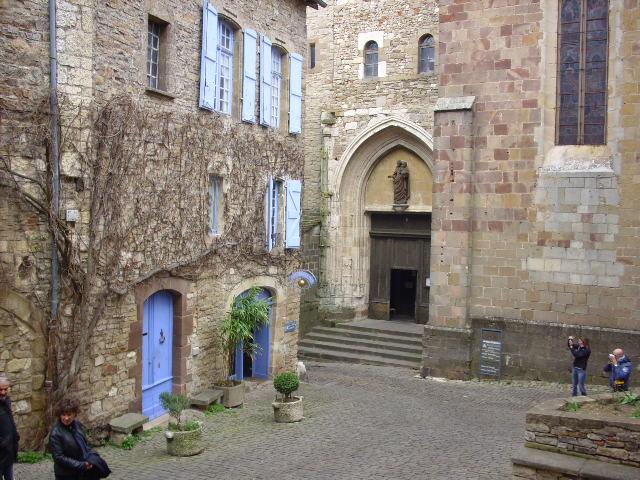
(246, 315)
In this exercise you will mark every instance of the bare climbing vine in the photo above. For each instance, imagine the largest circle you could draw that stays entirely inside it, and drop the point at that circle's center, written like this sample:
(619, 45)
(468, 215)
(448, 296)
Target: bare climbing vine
(141, 186)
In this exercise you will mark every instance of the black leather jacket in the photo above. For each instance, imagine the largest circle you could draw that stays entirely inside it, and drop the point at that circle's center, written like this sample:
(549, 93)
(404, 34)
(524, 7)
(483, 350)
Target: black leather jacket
(8, 435)
(68, 459)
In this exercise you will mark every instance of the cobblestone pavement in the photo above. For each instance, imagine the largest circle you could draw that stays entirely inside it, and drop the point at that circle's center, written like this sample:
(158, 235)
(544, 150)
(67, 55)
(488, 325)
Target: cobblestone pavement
(361, 422)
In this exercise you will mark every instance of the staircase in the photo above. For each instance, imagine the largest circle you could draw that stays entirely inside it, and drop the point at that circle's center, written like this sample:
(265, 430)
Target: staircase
(374, 342)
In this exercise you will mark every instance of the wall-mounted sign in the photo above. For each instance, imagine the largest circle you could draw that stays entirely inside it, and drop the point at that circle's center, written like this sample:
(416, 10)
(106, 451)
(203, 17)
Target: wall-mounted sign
(490, 352)
(290, 327)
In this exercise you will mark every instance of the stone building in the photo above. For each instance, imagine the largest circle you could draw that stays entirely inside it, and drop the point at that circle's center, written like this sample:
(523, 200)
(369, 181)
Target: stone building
(534, 229)
(180, 176)
(371, 89)
(534, 174)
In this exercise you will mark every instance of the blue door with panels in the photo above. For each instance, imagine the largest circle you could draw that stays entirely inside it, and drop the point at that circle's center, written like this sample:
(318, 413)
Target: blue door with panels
(157, 349)
(260, 362)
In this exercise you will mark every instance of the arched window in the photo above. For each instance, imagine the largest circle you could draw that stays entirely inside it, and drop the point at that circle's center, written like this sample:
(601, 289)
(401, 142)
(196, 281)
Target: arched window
(582, 72)
(427, 54)
(224, 91)
(371, 59)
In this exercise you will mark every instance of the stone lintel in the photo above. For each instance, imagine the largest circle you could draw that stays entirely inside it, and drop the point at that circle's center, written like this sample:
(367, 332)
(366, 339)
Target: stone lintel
(452, 104)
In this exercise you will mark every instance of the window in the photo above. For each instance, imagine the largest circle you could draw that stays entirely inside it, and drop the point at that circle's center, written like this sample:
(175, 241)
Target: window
(156, 39)
(371, 59)
(215, 203)
(312, 55)
(225, 68)
(273, 212)
(427, 54)
(276, 86)
(582, 72)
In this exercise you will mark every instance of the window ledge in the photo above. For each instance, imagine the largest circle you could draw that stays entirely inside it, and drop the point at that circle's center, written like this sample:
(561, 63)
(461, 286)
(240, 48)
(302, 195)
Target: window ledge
(161, 93)
(578, 158)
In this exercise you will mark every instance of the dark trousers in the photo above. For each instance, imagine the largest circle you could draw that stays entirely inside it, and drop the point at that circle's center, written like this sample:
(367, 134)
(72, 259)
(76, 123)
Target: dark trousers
(6, 473)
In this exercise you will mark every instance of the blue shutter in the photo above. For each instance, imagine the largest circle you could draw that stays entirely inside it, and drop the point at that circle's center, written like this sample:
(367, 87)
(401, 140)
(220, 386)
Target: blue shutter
(265, 81)
(295, 94)
(249, 77)
(269, 206)
(208, 64)
(294, 192)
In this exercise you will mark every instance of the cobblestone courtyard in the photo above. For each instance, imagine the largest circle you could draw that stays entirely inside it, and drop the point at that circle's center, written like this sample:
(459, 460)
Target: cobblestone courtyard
(362, 422)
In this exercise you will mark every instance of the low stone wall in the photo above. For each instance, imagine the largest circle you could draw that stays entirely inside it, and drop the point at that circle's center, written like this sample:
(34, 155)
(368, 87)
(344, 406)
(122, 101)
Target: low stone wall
(612, 439)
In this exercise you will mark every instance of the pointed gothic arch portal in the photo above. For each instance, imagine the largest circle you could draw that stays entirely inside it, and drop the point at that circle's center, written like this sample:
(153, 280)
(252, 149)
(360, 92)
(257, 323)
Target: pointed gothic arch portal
(382, 247)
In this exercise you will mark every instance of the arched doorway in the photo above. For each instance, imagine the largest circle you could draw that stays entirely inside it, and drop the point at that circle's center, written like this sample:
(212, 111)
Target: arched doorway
(258, 366)
(157, 351)
(362, 211)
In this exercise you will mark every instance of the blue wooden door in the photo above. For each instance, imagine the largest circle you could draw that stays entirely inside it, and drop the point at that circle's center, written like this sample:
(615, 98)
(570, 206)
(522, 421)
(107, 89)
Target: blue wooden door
(260, 366)
(157, 361)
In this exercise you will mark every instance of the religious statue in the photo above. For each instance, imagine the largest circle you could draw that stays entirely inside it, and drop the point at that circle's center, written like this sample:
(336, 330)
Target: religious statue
(401, 183)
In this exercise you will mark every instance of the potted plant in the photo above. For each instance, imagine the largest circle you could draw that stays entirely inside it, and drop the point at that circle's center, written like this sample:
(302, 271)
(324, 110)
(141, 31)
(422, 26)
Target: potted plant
(183, 440)
(246, 315)
(287, 408)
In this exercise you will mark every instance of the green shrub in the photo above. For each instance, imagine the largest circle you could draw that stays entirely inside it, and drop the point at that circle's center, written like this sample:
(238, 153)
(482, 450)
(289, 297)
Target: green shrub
(191, 425)
(214, 408)
(174, 404)
(286, 383)
(32, 457)
(129, 442)
(630, 398)
(572, 406)
(636, 413)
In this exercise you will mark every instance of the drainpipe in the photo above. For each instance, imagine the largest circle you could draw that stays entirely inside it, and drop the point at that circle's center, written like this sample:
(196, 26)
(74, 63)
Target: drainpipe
(55, 200)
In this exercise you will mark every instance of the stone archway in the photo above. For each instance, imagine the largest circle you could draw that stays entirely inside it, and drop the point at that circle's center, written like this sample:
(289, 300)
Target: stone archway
(23, 360)
(347, 262)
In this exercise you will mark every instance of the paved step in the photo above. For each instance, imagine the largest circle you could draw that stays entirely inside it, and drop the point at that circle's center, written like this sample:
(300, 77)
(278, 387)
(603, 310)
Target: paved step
(411, 330)
(321, 354)
(362, 350)
(387, 343)
(380, 335)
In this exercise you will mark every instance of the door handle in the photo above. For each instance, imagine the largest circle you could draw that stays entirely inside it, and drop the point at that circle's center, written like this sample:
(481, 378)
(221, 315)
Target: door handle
(145, 334)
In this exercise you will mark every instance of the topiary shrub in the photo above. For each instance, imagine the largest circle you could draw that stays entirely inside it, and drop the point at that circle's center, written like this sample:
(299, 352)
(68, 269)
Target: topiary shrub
(286, 383)
(175, 404)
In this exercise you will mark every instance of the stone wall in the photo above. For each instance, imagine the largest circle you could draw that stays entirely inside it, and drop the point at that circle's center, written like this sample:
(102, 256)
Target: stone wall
(552, 229)
(342, 108)
(610, 438)
(102, 56)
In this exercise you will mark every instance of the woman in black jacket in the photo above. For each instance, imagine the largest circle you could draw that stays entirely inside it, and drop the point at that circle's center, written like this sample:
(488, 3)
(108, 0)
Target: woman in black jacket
(580, 351)
(68, 444)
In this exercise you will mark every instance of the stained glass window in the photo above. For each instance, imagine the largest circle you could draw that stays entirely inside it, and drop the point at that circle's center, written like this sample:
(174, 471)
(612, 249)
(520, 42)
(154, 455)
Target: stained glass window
(582, 72)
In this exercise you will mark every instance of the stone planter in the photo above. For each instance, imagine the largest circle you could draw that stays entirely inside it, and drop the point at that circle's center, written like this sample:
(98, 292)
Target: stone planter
(233, 395)
(288, 412)
(184, 444)
(605, 438)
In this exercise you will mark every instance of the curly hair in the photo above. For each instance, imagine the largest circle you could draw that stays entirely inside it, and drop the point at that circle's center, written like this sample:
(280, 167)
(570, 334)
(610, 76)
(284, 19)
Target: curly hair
(68, 405)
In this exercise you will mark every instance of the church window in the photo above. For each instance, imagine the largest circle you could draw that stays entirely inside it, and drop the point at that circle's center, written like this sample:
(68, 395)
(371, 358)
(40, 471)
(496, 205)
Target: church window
(427, 55)
(371, 59)
(582, 72)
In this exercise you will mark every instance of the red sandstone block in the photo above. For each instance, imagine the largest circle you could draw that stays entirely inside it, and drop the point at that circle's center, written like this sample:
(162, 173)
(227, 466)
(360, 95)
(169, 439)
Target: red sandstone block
(503, 64)
(495, 226)
(500, 129)
(530, 103)
(503, 188)
(501, 154)
(506, 30)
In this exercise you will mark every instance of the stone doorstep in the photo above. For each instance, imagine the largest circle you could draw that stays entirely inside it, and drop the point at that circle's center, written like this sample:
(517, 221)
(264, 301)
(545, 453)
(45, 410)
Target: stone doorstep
(128, 423)
(206, 398)
(576, 466)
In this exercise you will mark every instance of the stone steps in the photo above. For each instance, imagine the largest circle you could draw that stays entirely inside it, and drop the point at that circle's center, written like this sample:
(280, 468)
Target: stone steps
(386, 344)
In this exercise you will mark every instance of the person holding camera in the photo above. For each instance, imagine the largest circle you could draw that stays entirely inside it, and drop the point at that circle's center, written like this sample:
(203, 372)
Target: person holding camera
(580, 350)
(619, 369)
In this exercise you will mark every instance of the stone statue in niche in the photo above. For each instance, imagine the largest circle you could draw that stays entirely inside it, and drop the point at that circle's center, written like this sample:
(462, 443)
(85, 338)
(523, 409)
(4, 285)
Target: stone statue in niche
(401, 183)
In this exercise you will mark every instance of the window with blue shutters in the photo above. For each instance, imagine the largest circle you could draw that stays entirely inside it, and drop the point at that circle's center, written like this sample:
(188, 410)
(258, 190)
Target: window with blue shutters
(249, 76)
(295, 93)
(293, 214)
(224, 92)
(273, 212)
(276, 86)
